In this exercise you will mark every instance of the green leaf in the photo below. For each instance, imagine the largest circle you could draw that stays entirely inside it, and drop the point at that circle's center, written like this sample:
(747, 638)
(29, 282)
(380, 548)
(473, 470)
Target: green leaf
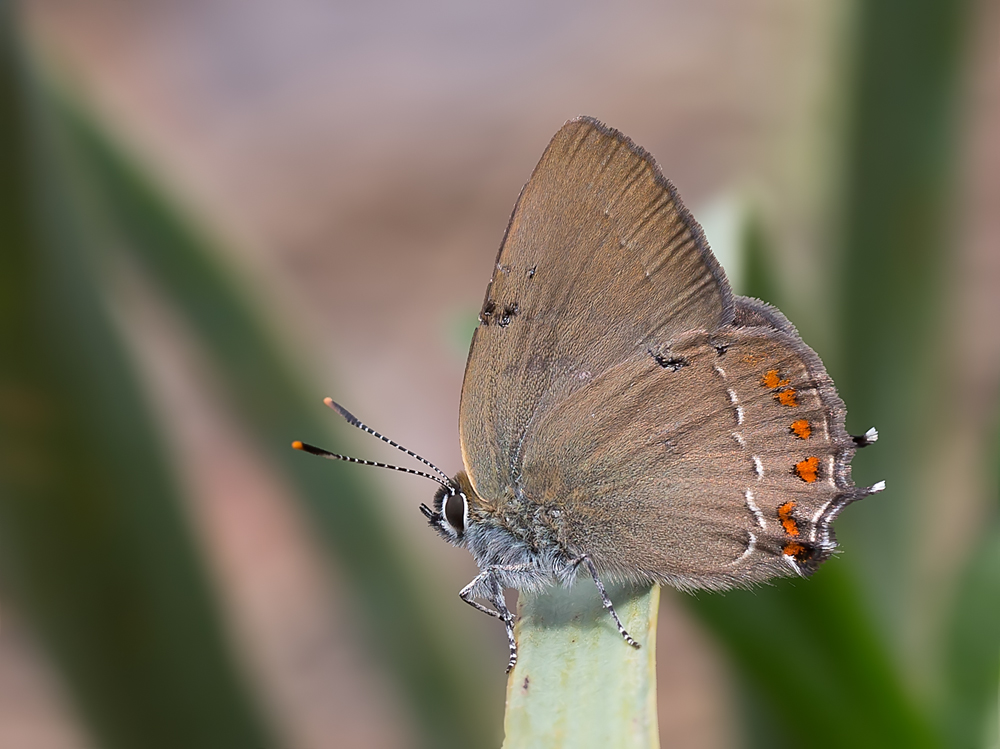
(896, 235)
(972, 640)
(972, 681)
(93, 544)
(759, 279)
(577, 683)
(809, 653)
(399, 629)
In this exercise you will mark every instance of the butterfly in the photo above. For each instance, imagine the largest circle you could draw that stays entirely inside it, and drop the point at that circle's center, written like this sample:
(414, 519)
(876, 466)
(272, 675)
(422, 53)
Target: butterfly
(625, 413)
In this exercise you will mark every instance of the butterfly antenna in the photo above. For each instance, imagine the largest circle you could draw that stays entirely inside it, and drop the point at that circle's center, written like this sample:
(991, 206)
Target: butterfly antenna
(319, 451)
(354, 421)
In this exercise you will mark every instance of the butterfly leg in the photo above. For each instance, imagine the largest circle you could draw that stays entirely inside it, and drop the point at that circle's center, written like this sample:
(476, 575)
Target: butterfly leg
(480, 587)
(606, 601)
(487, 586)
(508, 621)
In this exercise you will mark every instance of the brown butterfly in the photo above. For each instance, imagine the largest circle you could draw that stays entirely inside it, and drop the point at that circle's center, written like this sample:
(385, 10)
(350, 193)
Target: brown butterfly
(623, 411)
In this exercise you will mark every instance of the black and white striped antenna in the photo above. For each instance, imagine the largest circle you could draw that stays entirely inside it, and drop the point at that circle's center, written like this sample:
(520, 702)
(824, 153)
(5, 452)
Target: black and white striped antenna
(442, 478)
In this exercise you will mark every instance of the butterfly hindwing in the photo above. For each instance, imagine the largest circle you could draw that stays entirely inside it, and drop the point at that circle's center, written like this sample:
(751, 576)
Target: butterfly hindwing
(714, 459)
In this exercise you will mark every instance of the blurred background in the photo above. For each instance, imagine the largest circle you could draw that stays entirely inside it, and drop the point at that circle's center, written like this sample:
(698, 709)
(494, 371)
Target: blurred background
(213, 214)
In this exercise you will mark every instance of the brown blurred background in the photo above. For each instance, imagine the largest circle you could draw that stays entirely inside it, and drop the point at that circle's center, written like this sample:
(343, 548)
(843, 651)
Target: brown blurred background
(359, 163)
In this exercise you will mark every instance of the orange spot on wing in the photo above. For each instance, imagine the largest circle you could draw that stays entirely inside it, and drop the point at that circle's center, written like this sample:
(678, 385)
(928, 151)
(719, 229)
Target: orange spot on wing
(787, 521)
(771, 379)
(807, 469)
(787, 397)
(795, 549)
(801, 429)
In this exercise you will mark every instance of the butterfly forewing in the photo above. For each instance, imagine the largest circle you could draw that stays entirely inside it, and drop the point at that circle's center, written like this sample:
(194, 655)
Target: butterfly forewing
(600, 259)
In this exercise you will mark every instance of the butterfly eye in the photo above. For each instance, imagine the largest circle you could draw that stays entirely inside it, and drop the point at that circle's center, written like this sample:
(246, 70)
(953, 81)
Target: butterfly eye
(454, 511)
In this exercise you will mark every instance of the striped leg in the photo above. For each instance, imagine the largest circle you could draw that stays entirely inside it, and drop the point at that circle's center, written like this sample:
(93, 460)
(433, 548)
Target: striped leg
(606, 601)
(487, 586)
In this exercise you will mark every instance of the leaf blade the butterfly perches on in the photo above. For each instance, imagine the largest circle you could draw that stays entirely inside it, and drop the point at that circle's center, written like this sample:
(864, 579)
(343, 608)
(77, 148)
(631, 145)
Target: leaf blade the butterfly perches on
(574, 684)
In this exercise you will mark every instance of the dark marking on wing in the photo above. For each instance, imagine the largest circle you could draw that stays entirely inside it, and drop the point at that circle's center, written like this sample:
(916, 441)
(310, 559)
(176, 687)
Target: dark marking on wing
(509, 313)
(489, 307)
(673, 363)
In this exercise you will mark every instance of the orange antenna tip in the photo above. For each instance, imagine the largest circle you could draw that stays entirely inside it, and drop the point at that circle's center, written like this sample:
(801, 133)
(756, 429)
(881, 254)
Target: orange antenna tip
(328, 401)
(298, 445)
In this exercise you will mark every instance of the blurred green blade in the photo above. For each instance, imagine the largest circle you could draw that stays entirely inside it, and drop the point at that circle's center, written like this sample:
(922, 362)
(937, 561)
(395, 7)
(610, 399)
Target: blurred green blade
(809, 652)
(92, 540)
(400, 629)
(972, 683)
(894, 245)
(972, 648)
(900, 156)
(759, 277)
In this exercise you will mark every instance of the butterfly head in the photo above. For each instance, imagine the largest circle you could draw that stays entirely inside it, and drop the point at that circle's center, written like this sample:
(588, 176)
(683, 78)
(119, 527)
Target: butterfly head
(450, 513)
